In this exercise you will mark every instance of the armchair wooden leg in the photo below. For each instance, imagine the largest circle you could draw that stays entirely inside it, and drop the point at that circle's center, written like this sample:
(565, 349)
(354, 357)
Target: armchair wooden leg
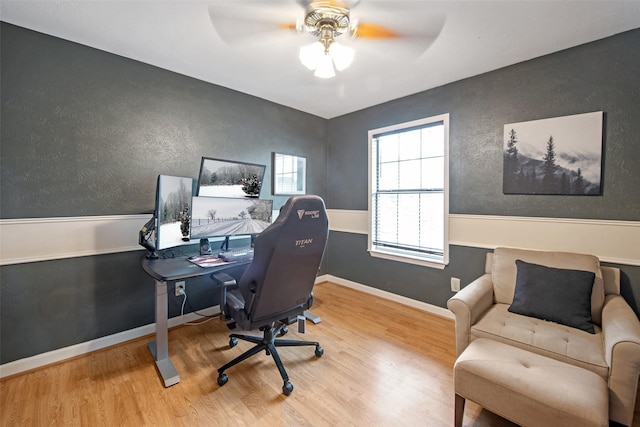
(459, 410)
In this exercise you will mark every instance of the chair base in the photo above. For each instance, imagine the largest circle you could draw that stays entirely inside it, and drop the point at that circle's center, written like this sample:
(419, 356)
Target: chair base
(268, 342)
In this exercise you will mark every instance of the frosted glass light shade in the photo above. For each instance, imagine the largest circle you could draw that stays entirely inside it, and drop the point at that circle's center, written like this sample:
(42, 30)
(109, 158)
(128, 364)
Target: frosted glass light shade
(342, 55)
(311, 55)
(314, 57)
(325, 68)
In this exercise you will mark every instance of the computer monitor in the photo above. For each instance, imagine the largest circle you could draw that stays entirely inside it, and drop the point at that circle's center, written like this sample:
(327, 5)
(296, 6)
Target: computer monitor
(227, 178)
(173, 209)
(213, 217)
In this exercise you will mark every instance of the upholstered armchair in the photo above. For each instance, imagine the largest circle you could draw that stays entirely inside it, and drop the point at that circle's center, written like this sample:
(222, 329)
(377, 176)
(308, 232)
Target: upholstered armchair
(565, 306)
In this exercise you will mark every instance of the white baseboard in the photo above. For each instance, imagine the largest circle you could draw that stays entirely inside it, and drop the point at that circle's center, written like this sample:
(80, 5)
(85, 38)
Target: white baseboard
(59, 355)
(429, 308)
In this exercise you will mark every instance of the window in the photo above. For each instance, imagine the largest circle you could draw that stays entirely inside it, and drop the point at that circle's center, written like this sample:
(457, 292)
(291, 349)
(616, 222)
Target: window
(409, 199)
(289, 174)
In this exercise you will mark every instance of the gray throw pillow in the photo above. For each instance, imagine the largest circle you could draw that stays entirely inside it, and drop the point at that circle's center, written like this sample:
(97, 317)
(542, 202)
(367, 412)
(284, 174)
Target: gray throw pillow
(554, 294)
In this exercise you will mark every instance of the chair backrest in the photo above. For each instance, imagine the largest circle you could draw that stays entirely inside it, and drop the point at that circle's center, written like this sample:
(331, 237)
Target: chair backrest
(287, 257)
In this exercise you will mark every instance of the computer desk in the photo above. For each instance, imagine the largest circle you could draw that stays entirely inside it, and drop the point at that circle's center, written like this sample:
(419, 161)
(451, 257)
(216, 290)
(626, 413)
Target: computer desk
(167, 271)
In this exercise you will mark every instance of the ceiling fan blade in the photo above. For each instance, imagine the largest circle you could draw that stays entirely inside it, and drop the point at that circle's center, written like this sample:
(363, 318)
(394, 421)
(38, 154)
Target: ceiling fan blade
(289, 26)
(416, 32)
(407, 38)
(375, 31)
(349, 4)
(235, 26)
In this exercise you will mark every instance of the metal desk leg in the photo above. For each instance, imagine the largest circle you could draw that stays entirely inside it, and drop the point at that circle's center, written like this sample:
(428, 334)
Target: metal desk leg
(160, 347)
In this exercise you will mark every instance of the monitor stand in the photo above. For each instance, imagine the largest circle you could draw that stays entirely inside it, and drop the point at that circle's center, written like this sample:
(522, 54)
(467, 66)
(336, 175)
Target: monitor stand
(225, 244)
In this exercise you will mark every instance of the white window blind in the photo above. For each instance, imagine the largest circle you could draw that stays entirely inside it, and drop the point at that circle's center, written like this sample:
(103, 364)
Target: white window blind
(409, 195)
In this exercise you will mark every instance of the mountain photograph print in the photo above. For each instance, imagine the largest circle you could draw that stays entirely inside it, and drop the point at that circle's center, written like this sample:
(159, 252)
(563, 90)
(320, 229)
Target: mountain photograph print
(562, 155)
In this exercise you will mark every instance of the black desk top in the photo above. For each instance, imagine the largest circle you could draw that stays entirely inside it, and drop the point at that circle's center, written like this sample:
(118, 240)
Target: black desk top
(170, 269)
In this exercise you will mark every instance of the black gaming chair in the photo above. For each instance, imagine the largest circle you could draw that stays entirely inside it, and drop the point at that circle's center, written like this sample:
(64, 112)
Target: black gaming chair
(277, 286)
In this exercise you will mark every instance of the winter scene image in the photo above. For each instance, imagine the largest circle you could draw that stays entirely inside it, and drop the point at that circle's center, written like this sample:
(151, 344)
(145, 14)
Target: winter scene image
(173, 211)
(562, 155)
(221, 178)
(216, 216)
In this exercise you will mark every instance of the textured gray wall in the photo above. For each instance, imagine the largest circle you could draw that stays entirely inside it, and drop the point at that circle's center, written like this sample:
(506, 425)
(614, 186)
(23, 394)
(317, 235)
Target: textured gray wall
(348, 258)
(54, 304)
(85, 132)
(600, 76)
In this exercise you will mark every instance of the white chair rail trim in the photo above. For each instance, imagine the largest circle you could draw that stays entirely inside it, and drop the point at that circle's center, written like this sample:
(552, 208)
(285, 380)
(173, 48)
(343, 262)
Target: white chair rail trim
(42, 239)
(611, 241)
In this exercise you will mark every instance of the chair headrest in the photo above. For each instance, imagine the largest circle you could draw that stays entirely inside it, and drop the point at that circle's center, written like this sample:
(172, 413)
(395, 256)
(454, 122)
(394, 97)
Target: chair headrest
(305, 207)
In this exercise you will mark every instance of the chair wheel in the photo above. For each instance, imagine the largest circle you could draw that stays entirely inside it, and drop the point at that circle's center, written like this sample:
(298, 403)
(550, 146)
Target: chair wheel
(287, 388)
(222, 379)
(284, 331)
(233, 341)
(319, 351)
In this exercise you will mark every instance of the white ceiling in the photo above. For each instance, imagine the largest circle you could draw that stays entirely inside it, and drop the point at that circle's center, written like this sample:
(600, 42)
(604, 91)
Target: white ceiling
(476, 37)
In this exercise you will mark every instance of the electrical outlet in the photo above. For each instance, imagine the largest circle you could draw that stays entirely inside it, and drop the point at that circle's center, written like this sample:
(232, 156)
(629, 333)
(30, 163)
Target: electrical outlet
(180, 288)
(455, 284)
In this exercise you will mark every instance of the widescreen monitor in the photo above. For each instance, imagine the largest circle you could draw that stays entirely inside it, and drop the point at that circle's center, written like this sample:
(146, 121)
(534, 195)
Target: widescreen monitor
(173, 207)
(227, 178)
(226, 216)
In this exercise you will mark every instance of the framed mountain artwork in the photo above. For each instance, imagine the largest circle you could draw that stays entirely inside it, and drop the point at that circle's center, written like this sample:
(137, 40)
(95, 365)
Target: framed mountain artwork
(561, 155)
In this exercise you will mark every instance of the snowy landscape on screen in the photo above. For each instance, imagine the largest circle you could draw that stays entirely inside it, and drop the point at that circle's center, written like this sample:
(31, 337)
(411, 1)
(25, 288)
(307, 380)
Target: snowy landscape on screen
(216, 216)
(224, 178)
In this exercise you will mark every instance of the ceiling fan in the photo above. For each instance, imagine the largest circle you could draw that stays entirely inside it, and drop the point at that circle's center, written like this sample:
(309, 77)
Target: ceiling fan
(325, 20)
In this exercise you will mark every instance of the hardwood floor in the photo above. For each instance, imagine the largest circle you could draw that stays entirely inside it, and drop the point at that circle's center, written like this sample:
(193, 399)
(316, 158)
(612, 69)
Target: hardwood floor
(384, 364)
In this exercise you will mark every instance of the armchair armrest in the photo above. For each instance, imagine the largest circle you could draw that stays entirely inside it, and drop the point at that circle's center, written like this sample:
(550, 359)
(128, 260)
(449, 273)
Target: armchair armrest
(468, 305)
(621, 332)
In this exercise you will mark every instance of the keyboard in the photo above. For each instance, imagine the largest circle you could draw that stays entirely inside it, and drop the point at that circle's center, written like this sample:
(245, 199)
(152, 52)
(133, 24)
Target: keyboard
(236, 255)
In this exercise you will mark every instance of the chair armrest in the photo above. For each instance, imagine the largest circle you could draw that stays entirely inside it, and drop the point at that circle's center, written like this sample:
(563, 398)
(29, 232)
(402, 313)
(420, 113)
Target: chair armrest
(621, 332)
(225, 281)
(468, 305)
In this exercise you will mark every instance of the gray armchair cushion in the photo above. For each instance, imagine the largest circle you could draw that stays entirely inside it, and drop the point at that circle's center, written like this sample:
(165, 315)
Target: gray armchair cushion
(558, 295)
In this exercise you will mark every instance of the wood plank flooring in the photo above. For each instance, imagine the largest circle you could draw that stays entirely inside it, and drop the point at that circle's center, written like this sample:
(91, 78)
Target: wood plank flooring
(384, 364)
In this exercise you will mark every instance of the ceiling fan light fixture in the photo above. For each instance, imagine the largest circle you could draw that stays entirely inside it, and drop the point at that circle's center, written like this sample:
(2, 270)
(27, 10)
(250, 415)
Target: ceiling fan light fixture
(325, 68)
(326, 19)
(342, 55)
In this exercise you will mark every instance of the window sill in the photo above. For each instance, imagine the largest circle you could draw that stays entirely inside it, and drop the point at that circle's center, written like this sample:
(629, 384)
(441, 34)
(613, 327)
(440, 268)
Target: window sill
(431, 263)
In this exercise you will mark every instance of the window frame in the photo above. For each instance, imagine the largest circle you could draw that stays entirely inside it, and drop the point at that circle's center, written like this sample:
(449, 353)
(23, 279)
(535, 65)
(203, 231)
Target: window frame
(380, 252)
